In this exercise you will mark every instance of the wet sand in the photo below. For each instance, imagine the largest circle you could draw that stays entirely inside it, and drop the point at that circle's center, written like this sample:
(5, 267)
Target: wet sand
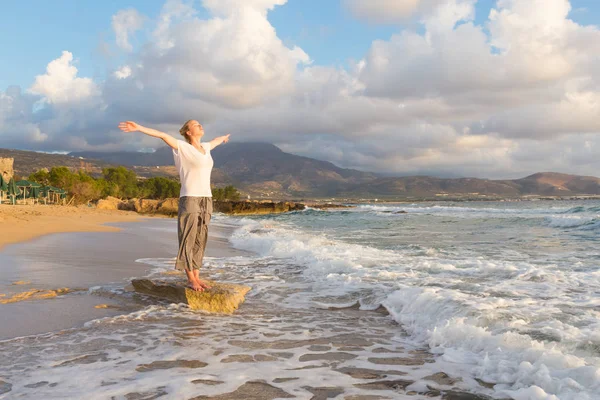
(90, 263)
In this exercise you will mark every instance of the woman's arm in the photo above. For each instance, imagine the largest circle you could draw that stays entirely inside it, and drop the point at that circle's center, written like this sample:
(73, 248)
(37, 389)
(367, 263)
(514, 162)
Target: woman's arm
(130, 126)
(217, 141)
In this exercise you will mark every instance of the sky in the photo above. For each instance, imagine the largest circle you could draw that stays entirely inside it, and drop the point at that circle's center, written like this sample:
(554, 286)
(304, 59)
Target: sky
(481, 88)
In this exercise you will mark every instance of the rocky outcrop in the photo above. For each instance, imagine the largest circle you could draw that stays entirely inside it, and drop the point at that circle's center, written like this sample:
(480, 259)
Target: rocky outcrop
(220, 298)
(249, 207)
(6, 168)
(170, 206)
(109, 203)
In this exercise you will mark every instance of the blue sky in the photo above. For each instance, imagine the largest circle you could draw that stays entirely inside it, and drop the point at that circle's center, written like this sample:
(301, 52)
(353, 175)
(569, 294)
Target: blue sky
(34, 32)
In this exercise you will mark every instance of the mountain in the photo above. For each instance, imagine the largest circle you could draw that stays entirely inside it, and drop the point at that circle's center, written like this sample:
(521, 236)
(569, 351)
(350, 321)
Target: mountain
(264, 170)
(258, 168)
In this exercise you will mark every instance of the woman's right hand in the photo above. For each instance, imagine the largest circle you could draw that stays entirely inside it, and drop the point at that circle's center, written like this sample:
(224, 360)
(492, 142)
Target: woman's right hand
(129, 126)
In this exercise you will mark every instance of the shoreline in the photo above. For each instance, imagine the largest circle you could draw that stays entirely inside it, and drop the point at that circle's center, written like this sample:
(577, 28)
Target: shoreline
(64, 280)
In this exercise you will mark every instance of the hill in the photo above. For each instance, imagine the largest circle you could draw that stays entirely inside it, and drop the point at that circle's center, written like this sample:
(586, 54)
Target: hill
(264, 170)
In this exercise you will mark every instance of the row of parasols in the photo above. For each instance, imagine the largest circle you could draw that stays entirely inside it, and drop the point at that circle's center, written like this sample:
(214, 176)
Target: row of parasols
(29, 190)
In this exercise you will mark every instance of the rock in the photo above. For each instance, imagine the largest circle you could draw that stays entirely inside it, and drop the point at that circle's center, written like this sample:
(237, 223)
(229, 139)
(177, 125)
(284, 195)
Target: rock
(146, 205)
(109, 203)
(207, 382)
(248, 358)
(442, 379)
(251, 391)
(171, 364)
(397, 361)
(150, 395)
(454, 395)
(323, 393)
(127, 205)
(220, 298)
(366, 373)
(5, 387)
(250, 207)
(385, 385)
(36, 385)
(330, 356)
(281, 380)
(168, 206)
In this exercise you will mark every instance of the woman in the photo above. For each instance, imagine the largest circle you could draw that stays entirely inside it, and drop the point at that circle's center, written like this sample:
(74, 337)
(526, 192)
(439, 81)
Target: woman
(194, 162)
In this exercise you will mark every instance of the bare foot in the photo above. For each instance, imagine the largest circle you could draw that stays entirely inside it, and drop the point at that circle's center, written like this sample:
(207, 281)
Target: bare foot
(202, 283)
(196, 286)
(193, 282)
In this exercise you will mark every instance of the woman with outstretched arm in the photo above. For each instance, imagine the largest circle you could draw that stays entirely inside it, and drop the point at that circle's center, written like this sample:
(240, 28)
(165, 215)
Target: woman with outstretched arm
(194, 163)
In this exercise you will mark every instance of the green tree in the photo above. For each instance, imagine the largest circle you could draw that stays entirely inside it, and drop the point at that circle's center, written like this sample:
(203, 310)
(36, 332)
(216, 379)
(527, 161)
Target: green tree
(121, 182)
(42, 176)
(160, 188)
(61, 177)
(226, 193)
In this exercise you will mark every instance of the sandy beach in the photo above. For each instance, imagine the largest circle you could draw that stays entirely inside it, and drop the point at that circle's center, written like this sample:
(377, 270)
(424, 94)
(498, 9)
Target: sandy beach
(24, 222)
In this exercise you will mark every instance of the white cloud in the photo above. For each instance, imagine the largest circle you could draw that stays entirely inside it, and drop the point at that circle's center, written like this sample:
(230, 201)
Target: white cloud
(518, 95)
(60, 83)
(123, 72)
(125, 23)
(393, 11)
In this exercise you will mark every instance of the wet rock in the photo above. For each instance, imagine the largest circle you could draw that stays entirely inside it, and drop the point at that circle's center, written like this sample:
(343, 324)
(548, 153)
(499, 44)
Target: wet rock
(87, 359)
(322, 393)
(281, 380)
(331, 356)
(454, 395)
(248, 358)
(150, 395)
(170, 364)
(5, 387)
(382, 310)
(442, 379)
(38, 294)
(384, 350)
(316, 347)
(350, 348)
(283, 355)
(35, 385)
(366, 373)
(397, 361)
(220, 298)
(207, 382)
(485, 384)
(251, 391)
(385, 385)
(365, 397)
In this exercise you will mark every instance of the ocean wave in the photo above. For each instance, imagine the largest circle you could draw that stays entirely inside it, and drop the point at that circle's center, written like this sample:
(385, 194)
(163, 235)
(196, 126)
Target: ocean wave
(572, 221)
(449, 302)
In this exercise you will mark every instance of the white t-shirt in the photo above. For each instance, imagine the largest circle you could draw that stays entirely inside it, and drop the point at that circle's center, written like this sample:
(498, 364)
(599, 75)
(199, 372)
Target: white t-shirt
(194, 169)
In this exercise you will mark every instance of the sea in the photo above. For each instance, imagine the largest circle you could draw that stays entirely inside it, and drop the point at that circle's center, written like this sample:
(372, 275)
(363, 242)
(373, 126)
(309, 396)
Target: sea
(484, 300)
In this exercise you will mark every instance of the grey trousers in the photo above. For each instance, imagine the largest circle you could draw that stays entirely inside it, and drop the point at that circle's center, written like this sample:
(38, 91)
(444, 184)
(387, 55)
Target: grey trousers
(193, 218)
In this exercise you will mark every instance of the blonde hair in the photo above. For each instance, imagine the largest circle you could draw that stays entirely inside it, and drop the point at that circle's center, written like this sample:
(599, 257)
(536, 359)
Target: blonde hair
(184, 129)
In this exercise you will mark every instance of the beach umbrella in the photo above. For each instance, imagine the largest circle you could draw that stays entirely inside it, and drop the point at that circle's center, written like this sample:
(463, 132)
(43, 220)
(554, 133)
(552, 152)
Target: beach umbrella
(12, 187)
